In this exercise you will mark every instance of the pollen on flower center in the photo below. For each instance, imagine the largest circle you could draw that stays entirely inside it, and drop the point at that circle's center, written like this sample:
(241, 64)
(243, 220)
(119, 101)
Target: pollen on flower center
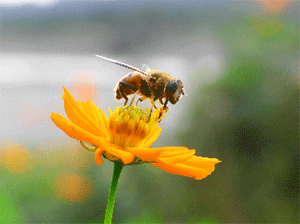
(130, 125)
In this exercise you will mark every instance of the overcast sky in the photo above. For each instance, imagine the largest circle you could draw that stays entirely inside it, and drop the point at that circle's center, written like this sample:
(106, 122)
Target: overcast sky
(20, 2)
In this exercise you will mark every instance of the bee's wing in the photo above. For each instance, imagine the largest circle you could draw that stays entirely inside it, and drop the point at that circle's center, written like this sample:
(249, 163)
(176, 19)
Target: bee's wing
(145, 68)
(123, 64)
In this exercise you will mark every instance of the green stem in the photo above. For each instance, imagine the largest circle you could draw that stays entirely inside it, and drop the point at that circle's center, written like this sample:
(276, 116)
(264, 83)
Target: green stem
(112, 192)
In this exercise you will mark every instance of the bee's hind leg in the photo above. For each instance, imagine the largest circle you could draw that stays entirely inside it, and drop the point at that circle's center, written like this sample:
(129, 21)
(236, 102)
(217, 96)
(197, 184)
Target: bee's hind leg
(121, 91)
(138, 100)
(126, 100)
(141, 99)
(131, 102)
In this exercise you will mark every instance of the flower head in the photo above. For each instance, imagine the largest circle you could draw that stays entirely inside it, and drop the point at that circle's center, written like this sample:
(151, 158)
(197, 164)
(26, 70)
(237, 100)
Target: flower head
(126, 137)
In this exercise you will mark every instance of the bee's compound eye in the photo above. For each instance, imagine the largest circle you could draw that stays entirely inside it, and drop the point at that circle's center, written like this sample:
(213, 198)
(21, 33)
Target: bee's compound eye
(171, 87)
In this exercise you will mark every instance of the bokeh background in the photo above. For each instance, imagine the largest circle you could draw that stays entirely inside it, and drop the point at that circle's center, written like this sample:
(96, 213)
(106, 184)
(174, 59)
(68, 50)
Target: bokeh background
(239, 61)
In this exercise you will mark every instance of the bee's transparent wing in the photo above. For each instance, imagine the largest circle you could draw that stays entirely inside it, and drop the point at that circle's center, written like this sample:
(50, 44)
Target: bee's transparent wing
(145, 68)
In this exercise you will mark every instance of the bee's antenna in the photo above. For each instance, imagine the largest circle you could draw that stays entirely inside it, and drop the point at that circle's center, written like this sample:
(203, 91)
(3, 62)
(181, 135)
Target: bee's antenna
(123, 64)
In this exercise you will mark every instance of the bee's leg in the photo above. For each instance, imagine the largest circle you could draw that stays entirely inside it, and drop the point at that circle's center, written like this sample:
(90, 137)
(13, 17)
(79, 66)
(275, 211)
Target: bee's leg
(166, 108)
(151, 109)
(126, 100)
(161, 102)
(139, 100)
(152, 103)
(131, 102)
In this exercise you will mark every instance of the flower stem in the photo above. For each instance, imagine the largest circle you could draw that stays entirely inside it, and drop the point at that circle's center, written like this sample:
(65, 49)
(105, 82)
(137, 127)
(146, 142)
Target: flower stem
(112, 192)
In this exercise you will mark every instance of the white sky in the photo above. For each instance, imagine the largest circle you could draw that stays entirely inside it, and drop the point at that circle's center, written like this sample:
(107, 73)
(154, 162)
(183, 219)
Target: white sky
(21, 2)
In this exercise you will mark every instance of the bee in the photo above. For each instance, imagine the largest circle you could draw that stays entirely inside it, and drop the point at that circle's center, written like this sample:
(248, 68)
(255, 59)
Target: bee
(148, 83)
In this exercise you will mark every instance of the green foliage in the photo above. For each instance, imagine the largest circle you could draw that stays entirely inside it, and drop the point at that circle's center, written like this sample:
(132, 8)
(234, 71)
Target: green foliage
(250, 120)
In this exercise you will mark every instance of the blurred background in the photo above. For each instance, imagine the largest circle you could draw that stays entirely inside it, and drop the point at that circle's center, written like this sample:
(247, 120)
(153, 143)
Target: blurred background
(239, 62)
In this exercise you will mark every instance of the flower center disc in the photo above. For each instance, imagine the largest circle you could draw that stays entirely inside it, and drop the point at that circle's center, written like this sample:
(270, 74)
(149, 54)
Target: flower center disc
(130, 125)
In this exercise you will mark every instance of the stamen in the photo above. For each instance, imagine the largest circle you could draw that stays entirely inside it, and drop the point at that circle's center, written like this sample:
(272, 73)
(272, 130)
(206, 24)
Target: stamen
(129, 126)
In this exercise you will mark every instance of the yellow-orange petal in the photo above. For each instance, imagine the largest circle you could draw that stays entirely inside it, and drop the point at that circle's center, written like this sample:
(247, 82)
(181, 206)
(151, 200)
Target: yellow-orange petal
(89, 110)
(98, 156)
(74, 131)
(78, 116)
(181, 157)
(102, 115)
(126, 157)
(197, 167)
(198, 161)
(75, 112)
(151, 138)
(96, 115)
(146, 154)
(152, 154)
(173, 151)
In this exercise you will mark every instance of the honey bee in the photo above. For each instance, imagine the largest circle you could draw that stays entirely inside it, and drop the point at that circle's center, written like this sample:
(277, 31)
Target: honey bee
(148, 83)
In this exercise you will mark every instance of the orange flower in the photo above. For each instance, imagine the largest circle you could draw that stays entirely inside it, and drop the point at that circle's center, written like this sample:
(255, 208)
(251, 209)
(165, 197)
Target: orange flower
(126, 137)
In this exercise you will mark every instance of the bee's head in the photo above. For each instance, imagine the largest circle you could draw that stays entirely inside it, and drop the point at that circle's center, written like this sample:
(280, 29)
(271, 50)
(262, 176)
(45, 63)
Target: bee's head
(174, 90)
